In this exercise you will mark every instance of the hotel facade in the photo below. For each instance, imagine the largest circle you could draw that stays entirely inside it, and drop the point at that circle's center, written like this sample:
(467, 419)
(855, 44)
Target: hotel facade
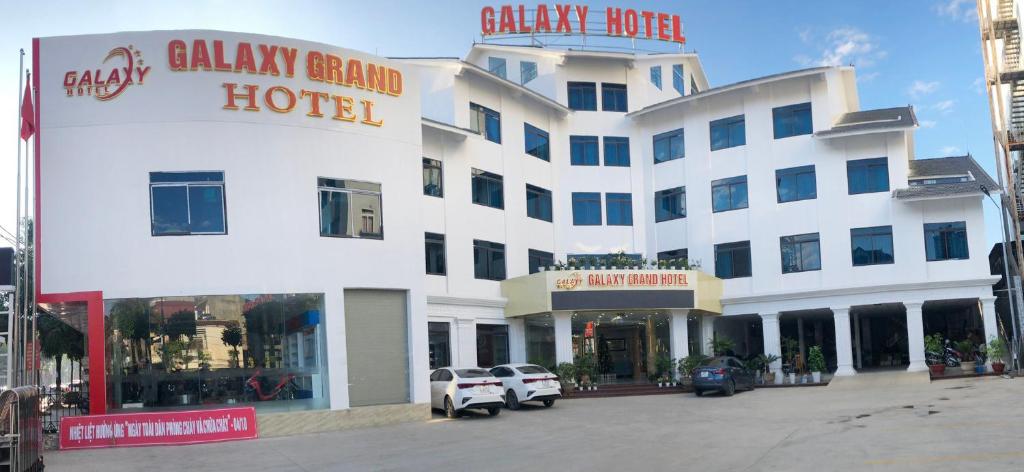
(232, 216)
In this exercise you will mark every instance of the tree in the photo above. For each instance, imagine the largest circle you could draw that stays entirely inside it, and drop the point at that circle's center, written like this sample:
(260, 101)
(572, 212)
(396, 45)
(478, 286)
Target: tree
(232, 336)
(131, 319)
(58, 339)
(181, 324)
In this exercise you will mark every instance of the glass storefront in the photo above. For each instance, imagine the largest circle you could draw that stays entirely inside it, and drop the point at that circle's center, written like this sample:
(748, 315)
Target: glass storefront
(184, 352)
(624, 346)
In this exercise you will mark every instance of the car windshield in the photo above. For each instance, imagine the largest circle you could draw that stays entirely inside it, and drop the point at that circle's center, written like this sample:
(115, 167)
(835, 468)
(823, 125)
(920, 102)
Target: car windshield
(532, 369)
(472, 373)
(716, 362)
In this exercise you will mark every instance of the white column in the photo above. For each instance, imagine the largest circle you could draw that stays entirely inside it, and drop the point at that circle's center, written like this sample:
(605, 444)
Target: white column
(844, 349)
(517, 340)
(915, 336)
(988, 319)
(465, 335)
(563, 336)
(680, 334)
(707, 334)
(772, 342)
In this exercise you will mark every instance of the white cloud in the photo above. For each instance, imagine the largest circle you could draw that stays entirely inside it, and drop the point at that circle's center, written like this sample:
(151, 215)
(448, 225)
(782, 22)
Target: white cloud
(958, 10)
(920, 88)
(979, 85)
(927, 123)
(944, 106)
(950, 150)
(868, 77)
(842, 46)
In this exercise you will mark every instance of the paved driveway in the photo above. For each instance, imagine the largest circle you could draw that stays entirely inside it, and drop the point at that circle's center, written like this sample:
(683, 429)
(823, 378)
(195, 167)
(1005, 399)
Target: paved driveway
(957, 425)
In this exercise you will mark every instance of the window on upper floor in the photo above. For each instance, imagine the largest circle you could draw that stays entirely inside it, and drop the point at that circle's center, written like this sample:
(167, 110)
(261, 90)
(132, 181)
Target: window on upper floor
(953, 179)
(538, 203)
(693, 86)
(795, 183)
(872, 245)
(488, 189)
(583, 96)
(540, 259)
(678, 79)
(867, 175)
(350, 209)
(433, 184)
(527, 71)
(586, 208)
(619, 208)
(616, 151)
(670, 204)
(184, 203)
(537, 142)
(945, 241)
(656, 76)
(669, 146)
(435, 253)
(728, 132)
(732, 260)
(583, 151)
(676, 256)
(497, 66)
(488, 260)
(792, 120)
(729, 194)
(800, 253)
(613, 97)
(485, 121)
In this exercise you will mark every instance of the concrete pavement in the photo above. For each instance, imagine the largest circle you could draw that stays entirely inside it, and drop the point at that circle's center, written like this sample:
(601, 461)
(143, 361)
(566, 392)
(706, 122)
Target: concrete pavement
(961, 425)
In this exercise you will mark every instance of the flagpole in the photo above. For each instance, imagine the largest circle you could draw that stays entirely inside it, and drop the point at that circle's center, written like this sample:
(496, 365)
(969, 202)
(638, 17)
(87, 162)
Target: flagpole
(14, 377)
(30, 269)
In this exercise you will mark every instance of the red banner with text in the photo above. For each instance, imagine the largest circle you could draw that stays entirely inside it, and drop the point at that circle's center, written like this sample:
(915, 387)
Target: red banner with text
(158, 428)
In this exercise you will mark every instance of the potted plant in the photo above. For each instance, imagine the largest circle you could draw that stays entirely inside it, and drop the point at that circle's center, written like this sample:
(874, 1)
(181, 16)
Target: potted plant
(754, 365)
(996, 352)
(721, 346)
(663, 368)
(967, 361)
(688, 365)
(586, 368)
(933, 347)
(816, 362)
(791, 349)
(766, 363)
(567, 376)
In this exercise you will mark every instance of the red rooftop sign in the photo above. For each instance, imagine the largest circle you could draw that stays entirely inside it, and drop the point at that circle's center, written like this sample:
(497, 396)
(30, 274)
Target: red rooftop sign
(572, 19)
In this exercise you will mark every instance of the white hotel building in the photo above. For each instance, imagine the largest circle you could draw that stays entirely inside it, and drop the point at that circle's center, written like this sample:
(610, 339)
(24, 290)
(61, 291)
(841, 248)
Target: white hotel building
(801, 216)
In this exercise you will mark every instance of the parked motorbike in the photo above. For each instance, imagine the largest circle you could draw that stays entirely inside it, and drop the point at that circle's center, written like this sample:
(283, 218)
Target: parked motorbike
(949, 356)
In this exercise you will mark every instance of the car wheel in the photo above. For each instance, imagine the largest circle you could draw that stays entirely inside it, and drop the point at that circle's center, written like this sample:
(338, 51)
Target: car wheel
(698, 392)
(511, 400)
(549, 403)
(494, 411)
(449, 408)
(730, 388)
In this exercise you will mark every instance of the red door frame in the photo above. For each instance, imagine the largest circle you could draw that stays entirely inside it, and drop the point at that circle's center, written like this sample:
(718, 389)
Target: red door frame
(97, 343)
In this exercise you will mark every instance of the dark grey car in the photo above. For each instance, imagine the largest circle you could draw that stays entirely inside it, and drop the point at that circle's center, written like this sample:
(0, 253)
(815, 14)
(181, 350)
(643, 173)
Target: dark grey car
(724, 374)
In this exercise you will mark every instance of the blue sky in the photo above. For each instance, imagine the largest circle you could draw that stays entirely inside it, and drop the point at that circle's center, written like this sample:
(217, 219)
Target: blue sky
(923, 52)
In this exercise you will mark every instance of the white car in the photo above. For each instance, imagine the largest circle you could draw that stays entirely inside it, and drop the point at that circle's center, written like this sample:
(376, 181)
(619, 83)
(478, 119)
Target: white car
(527, 382)
(456, 389)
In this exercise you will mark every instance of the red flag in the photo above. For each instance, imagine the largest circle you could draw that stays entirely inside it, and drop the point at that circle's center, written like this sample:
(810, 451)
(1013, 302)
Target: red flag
(28, 115)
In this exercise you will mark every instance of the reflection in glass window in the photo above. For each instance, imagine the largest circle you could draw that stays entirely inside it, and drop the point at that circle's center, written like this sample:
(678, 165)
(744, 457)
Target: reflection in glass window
(867, 175)
(669, 146)
(729, 194)
(619, 208)
(656, 76)
(432, 181)
(792, 120)
(945, 241)
(613, 97)
(497, 66)
(527, 71)
(796, 183)
(800, 253)
(537, 142)
(486, 122)
(583, 151)
(670, 204)
(538, 203)
(184, 203)
(732, 260)
(540, 259)
(616, 151)
(728, 132)
(350, 209)
(435, 253)
(582, 96)
(677, 79)
(488, 260)
(488, 189)
(872, 245)
(586, 208)
(181, 352)
(675, 255)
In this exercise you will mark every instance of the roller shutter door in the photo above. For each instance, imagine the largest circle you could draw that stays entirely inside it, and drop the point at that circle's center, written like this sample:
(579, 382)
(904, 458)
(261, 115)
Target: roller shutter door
(376, 335)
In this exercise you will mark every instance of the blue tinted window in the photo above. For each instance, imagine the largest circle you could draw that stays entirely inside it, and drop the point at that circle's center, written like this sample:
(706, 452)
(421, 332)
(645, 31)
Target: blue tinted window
(729, 194)
(613, 97)
(669, 146)
(872, 245)
(616, 151)
(945, 241)
(488, 260)
(656, 76)
(728, 132)
(527, 71)
(792, 120)
(485, 121)
(670, 204)
(867, 175)
(586, 208)
(796, 183)
(538, 203)
(732, 260)
(187, 203)
(497, 66)
(800, 253)
(488, 189)
(619, 209)
(583, 150)
(583, 96)
(677, 79)
(537, 142)
(538, 259)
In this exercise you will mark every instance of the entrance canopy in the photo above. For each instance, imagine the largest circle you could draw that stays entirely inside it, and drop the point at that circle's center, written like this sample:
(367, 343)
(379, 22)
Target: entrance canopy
(574, 290)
